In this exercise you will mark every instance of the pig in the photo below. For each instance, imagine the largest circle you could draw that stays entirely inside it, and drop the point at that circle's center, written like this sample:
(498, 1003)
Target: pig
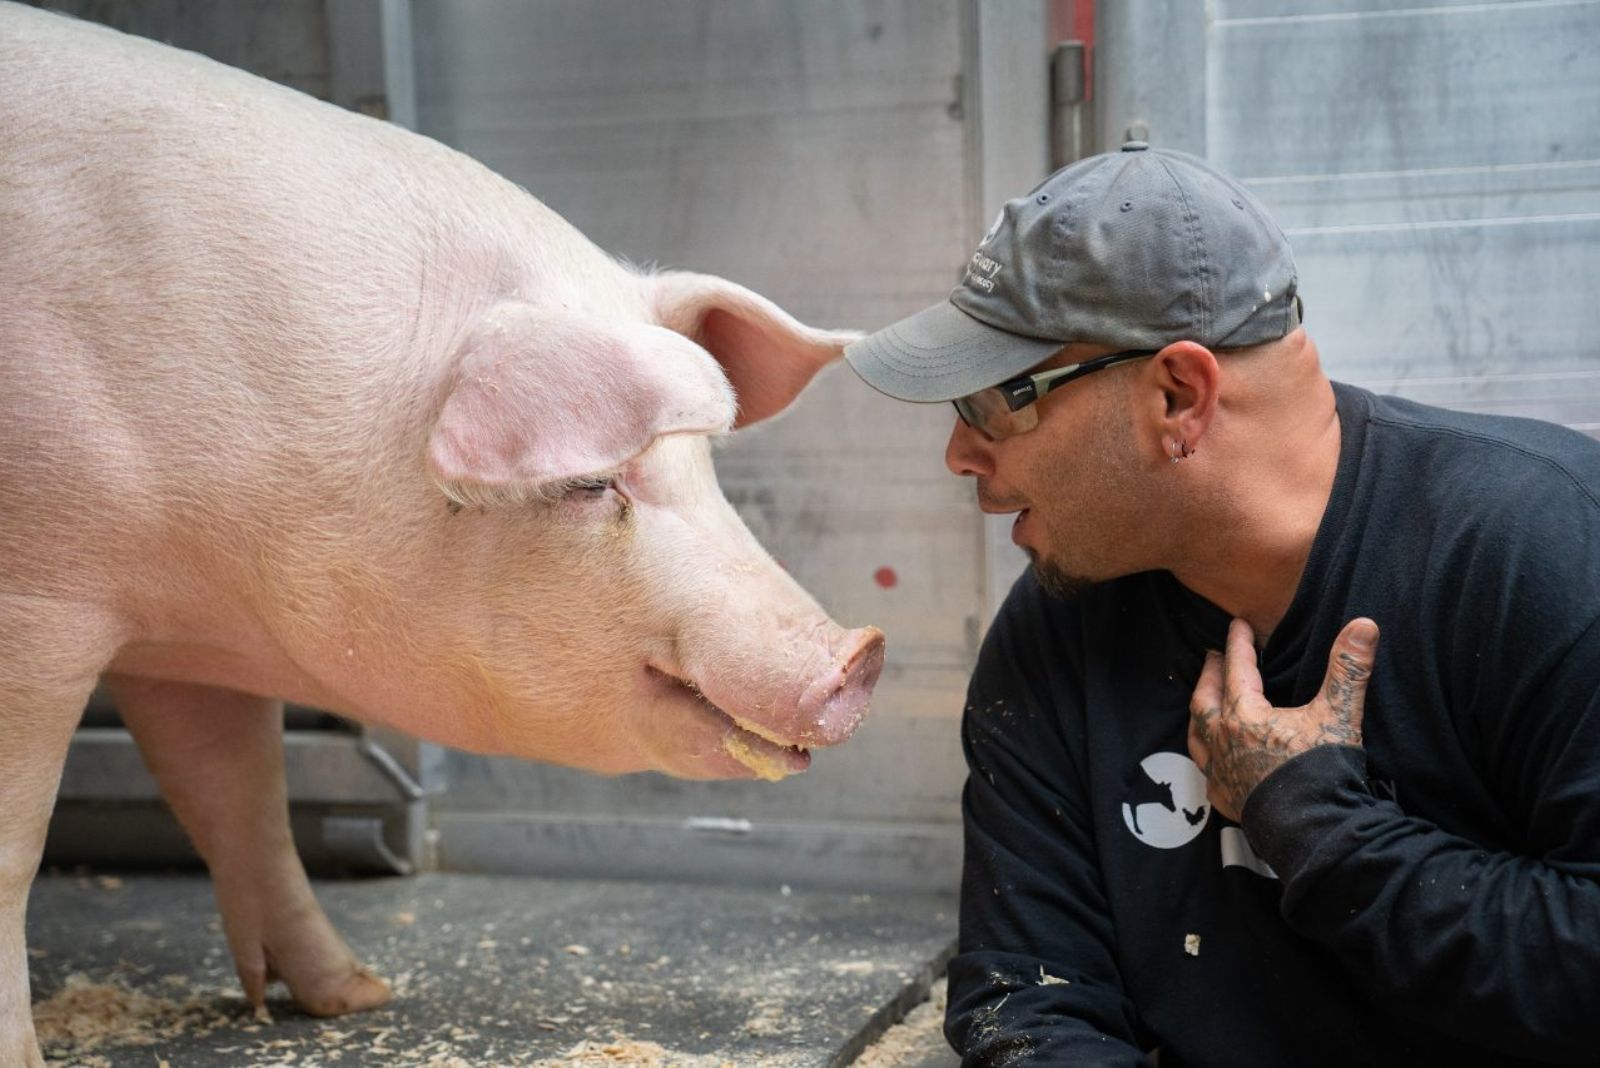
(298, 405)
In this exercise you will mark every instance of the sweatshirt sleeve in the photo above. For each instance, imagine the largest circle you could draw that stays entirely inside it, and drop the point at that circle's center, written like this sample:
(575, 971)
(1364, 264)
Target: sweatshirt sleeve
(1500, 948)
(1034, 981)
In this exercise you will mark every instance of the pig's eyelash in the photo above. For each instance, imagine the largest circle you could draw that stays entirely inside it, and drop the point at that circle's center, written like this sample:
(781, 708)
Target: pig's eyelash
(596, 483)
(472, 495)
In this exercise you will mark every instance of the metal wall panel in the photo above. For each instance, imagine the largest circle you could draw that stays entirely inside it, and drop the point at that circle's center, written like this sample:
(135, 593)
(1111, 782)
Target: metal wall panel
(1437, 168)
(820, 153)
(1406, 91)
(1149, 73)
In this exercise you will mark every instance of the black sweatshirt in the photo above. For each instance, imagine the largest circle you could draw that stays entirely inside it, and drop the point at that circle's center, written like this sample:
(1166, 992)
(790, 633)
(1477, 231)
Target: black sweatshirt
(1430, 897)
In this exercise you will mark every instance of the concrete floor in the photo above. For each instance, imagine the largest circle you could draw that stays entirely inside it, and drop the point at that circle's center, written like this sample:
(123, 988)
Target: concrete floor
(497, 971)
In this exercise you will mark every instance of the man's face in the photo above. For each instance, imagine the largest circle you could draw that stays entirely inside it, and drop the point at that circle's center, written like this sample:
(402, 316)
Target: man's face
(1068, 480)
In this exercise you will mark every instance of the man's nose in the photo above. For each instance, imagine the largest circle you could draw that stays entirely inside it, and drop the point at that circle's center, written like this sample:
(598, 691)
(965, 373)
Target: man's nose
(968, 451)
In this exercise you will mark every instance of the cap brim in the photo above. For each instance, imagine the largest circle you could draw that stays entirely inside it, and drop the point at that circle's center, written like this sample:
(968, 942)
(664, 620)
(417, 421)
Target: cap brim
(942, 353)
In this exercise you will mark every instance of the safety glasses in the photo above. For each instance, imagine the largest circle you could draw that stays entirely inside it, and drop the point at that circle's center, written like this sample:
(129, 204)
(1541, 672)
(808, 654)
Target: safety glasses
(1007, 410)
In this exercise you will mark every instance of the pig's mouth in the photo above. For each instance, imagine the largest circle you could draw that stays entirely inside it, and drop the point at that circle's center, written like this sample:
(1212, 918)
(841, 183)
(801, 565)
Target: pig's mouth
(751, 744)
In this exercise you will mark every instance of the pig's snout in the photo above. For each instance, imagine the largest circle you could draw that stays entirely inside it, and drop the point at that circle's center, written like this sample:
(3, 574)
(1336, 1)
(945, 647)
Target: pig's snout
(832, 707)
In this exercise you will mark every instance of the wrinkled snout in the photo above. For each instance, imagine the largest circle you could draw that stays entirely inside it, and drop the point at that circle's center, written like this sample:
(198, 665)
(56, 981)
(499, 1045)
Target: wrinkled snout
(796, 692)
(775, 698)
(833, 705)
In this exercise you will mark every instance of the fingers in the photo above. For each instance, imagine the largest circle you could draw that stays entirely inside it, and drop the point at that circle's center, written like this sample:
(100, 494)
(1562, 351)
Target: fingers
(1349, 668)
(1198, 751)
(1241, 676)
(1361, 633)
(1208, 691)
(1205, 703)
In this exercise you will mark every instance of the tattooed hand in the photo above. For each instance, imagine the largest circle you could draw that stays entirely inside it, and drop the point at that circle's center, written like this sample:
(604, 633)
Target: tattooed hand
(1238, 739)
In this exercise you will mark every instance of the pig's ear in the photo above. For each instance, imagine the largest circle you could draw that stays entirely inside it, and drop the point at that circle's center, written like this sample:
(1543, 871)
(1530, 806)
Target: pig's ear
(768, 355)
(540, 398)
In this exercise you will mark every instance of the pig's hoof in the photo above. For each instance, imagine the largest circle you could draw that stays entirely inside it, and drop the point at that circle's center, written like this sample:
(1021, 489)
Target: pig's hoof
(354, 991)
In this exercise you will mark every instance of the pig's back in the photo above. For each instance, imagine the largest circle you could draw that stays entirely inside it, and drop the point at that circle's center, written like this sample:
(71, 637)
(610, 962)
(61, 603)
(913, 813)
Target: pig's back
(224, 298)
(163, 204)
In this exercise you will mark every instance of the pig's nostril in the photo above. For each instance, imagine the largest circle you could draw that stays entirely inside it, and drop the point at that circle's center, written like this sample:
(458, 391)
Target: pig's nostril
(836, 705)
(865, 664)
(870, 647)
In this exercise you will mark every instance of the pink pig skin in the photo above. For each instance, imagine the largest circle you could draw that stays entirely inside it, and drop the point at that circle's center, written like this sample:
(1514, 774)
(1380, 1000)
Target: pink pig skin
(298, 405)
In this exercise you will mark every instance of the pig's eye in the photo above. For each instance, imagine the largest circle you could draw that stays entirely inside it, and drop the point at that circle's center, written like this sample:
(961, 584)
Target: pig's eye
(590, 487)
(597, 492)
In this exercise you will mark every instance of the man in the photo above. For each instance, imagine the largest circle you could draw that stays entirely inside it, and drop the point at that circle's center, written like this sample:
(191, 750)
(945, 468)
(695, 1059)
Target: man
(1208, 813)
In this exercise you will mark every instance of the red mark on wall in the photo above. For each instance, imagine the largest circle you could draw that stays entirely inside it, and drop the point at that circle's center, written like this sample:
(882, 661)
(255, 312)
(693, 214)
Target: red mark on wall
(885, 577)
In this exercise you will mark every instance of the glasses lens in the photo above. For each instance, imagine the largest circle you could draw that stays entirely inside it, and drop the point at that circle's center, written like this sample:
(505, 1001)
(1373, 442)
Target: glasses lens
(987, 410)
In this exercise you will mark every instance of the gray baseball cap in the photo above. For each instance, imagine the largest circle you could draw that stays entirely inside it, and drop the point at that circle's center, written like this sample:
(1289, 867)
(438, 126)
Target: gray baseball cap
(1133, 249)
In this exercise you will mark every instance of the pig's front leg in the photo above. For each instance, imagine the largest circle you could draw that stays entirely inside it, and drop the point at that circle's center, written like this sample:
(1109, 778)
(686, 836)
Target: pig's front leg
(50, 655)
(218, 756)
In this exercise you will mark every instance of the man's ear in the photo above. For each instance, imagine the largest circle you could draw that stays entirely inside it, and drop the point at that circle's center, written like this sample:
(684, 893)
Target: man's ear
(1186, 380)
(768, 355)
(542, 396)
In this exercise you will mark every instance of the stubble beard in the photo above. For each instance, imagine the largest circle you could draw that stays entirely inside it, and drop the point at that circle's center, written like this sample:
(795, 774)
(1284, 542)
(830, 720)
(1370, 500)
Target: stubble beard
(1104, 476)
(1101, 475)
(1056, 580)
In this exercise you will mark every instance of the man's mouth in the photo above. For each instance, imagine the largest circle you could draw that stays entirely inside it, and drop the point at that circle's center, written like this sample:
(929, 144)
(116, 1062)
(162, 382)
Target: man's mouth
(998, 505)
(751, 744)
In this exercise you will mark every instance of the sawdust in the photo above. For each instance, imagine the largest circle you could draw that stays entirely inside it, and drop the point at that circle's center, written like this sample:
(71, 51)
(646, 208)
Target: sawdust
(624, 1052)
(1046, 979)
(920, 1033)
(84, 1016)
(769, 1018)
(598, 1001)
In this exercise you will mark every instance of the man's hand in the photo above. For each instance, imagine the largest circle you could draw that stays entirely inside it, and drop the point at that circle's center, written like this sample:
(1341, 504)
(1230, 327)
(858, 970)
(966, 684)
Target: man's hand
(1238, 739)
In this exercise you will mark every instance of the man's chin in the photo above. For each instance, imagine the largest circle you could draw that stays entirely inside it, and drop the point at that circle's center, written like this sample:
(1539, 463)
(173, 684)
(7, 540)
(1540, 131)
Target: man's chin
(1056, 581)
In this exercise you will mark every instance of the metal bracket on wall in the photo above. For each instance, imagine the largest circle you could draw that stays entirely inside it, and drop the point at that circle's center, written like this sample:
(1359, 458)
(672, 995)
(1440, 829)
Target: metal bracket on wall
(360, 843)
(358, 801)
(1071, 136)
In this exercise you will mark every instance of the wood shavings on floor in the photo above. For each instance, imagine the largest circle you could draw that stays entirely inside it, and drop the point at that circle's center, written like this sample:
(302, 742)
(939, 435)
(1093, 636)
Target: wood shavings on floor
(84, 1016)
(487, 973)
(624, 1052)
(912, 1039)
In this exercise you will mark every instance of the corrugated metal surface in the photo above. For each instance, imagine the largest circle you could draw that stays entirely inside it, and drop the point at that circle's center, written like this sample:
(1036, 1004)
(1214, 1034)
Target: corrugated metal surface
(1437, 167)
(817, 152)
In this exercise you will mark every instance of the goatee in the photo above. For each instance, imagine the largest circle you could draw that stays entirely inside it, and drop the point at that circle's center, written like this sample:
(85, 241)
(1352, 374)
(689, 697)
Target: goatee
(1055, 581)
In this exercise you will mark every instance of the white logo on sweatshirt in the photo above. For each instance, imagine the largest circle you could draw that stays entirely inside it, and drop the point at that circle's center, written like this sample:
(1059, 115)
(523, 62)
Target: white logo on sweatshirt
(1168, 807)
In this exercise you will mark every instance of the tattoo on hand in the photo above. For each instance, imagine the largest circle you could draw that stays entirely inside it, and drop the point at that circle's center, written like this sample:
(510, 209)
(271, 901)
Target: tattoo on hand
(1238, 738)
(1344, 692)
